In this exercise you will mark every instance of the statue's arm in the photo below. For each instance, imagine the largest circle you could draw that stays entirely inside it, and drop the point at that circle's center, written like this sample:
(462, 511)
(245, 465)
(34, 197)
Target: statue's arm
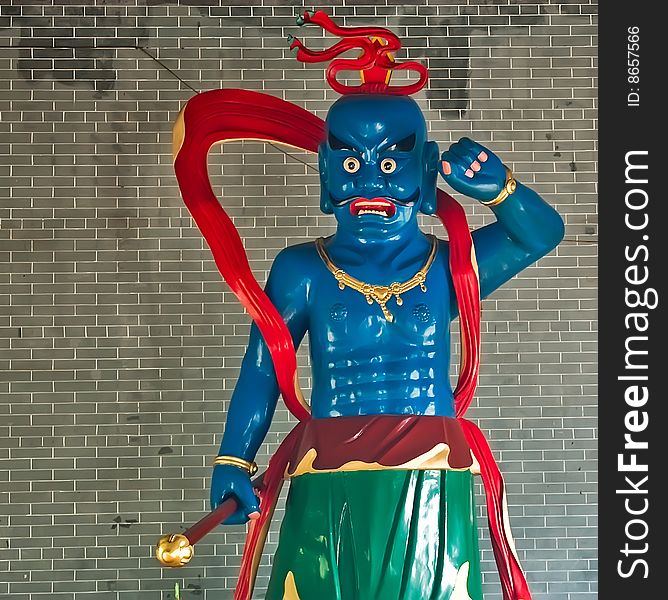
(526, 229)
(526, 226)
(256, 393)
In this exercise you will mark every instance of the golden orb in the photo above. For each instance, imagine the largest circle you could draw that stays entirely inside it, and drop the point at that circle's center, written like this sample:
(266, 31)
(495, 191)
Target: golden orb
(174, 550)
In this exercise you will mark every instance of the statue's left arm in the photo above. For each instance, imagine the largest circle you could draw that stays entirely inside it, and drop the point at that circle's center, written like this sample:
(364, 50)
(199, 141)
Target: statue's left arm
(526, 226)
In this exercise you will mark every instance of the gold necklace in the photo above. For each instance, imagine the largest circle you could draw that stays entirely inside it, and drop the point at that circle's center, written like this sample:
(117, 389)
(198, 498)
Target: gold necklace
(380, 293)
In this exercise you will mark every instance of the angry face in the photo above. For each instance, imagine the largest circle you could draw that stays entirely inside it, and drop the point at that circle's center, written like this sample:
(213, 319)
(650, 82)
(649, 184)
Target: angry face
(377, 169)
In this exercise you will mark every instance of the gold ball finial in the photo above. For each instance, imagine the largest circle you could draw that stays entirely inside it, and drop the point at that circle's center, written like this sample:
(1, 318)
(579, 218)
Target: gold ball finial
(174, 550)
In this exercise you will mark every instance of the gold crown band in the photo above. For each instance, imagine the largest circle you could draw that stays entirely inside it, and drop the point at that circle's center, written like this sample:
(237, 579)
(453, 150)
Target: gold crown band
(509, 187)
(235, 461)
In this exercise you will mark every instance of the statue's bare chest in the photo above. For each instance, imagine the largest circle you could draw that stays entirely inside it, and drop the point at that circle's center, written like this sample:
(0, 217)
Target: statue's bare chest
(348, 321)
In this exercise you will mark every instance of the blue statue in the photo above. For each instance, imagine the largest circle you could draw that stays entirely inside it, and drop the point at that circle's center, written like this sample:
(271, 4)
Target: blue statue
(381, 500)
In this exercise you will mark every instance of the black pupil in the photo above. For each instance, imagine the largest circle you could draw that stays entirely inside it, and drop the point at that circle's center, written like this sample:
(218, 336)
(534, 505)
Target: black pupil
(351, 164)
(387, 165)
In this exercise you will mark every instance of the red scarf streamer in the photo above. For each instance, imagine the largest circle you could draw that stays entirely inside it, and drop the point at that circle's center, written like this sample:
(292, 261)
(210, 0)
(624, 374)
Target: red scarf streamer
(222, 115)
(467, 289)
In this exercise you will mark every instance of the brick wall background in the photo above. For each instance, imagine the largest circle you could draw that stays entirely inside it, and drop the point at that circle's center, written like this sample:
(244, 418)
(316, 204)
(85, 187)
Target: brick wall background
(120, 344)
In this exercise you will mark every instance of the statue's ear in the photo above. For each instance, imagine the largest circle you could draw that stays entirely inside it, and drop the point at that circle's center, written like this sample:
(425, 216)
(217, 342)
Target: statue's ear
(325, 202)
(430, 161)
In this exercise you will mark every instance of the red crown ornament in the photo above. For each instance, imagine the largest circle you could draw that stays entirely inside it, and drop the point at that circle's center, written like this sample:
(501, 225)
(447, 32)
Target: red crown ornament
(375, 64)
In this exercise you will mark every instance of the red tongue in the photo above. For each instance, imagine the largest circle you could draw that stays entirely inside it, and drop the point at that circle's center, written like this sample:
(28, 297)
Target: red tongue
(378, 204)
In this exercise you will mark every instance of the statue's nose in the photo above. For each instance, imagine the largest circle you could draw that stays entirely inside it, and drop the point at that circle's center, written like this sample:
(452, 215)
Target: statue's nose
(372, 182)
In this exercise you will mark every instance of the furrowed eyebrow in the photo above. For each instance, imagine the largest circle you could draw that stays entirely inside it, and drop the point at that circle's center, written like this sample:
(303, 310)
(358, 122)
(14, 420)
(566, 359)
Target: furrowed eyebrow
(404, 145)
(337, 144)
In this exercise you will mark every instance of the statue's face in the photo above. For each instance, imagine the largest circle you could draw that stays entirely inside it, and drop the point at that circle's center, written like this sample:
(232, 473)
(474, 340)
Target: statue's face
(377, 170)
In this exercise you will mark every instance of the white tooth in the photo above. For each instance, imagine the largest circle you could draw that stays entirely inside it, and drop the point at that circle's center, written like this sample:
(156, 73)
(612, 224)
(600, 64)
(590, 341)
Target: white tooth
(369, 211)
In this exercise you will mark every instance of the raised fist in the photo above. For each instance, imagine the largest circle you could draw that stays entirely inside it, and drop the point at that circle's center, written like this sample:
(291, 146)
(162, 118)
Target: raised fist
(471, 169)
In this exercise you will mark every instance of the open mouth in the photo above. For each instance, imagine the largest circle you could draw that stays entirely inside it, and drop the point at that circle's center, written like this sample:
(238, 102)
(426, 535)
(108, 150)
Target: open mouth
(373, 206)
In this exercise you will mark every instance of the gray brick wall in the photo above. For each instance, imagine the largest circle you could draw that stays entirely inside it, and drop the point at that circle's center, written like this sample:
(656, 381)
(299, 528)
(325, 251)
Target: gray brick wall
(120, 344)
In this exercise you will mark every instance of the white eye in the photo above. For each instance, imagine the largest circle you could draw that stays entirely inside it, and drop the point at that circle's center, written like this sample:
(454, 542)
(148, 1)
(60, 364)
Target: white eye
(351, 164)
(388, 165)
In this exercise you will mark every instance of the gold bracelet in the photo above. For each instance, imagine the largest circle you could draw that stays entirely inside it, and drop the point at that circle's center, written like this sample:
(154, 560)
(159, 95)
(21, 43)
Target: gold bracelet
(508, 189)
(247, 465)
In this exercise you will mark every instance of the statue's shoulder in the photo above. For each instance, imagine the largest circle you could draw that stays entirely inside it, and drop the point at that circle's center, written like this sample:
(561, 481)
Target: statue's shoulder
(442, 258)
(298, 255)
(293, 268)
(443, 245)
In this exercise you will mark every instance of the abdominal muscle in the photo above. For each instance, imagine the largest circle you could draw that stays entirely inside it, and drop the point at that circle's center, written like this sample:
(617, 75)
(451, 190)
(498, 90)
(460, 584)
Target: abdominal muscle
(415, 382)
(363, 364)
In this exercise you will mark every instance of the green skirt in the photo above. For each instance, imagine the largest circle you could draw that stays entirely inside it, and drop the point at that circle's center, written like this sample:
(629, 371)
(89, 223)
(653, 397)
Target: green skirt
(378, 535)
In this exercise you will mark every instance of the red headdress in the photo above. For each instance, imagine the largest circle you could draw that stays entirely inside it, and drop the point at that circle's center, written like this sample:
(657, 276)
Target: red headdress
(222, 115)
(375, 64)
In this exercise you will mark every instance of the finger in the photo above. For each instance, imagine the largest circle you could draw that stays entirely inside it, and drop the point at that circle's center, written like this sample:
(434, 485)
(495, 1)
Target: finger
(474, 149)
(447, 169)
(471, 146)
(236, 518)
(464, 159)
(471, 165)
(451, 165)
(465, 154)
(240, 515)
(248, 501)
